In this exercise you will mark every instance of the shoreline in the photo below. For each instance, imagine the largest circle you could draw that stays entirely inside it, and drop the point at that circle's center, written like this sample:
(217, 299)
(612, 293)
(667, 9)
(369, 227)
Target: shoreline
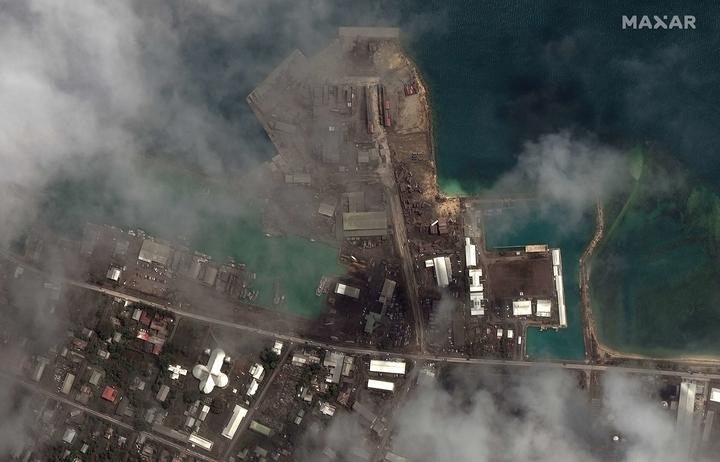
(597, 351)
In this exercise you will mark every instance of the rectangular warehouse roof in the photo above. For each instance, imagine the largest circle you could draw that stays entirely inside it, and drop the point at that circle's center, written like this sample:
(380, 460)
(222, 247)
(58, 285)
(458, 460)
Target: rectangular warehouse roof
(543, 308)
(388, 289)
(200, 441)
(522, 308)
(387, 367)
(380, 385)
(154, 252)
(364, 224)
(343, 289)
(443, 271)
(238, 414)
(327, 209)
(470, 254)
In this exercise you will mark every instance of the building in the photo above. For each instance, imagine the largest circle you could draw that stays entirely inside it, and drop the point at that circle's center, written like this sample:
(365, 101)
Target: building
(476, 307)
(40, 368)
(298, 178)
(68, 383)
(557, 274)
(252, 389)
(238, 414)
(176, 370)
(387, 367)
(69, 435)
(109, 394)
(522, 308)
(300, 359)
(95, 377)
(113, 273)
(380, 385)
(387, 292)
(196, 440)
(204, 413)
(162, 393)
(443, 270)
(352, 292)
(154, 252)
(542, 308)
(335, 362)
(327, 408)
(257, 371)
(686, 412)
(470, 254)
(260, 428)
(715, 395)
(474, 276)
(327, 210)
(365, 224)
(210, 375)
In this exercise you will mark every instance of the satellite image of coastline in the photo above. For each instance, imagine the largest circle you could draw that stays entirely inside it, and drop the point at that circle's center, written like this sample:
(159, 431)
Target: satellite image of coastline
(328, 231)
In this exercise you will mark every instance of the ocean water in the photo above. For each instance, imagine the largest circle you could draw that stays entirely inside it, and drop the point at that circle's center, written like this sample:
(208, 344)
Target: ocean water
(209, 216)
(504, 73)
(500, 73)
(518, 226)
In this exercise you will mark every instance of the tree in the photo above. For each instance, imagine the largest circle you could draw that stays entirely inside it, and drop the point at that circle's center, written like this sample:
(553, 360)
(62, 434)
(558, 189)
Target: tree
(190, 396)
(269, 358)
(218, 405)
(104, 329)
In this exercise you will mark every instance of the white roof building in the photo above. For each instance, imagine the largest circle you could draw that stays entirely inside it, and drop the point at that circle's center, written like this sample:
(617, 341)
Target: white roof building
(210, 375)
(477, 309)
(177, 370)
(69, 435)
(196, 440)
(715, 395)
(542, 308)
(238, 414)
(387, 367)
(443, 271)
(475, 275)
(559, 288)
(343, 289)
(114, 273)
(204, 412)
(277, 348)
(257, 371)
(380, 385)
(470, 254)
(252, 389)
(522, 308)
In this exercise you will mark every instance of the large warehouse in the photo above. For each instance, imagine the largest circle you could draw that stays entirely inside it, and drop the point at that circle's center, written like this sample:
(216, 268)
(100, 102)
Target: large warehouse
(364, 224)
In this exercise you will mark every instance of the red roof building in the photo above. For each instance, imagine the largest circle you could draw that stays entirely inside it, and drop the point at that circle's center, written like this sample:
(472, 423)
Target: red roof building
(109, 394)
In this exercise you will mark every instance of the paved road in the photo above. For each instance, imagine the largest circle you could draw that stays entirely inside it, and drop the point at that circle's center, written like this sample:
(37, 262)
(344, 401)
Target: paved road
(352, 349)
(35, 388)
(419, 357)
(397, 218)
(256, 404)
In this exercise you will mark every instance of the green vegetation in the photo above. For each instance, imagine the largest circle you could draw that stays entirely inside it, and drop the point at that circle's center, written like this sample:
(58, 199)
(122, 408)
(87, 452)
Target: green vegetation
(191, 395)
(269, 358)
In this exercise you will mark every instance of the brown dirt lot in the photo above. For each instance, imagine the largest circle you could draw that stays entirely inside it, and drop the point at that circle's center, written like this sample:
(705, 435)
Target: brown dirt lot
(510, 276)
